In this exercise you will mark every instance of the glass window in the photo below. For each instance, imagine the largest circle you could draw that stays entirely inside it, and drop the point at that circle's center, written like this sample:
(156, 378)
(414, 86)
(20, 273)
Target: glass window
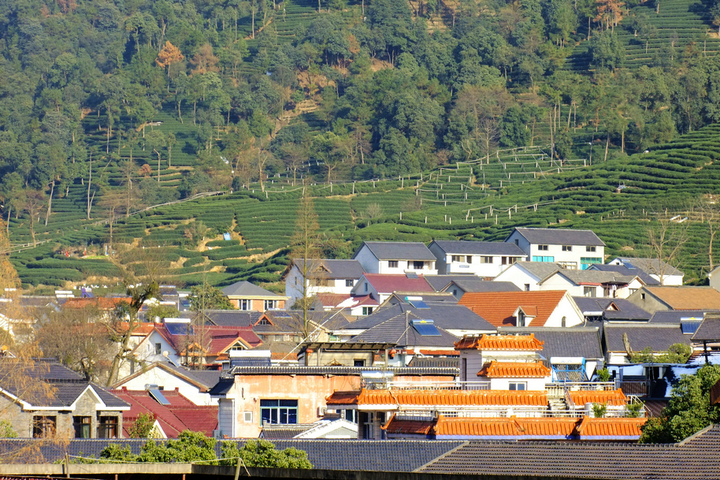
(349, 282)
(245, 304)
(456, 258)
(418, 265)
(518, 385)
(367, 310)
(468, 259)
(486, 259)
(270, 304)
(82, 427)
(542, 247)
(108, 427)
(589, 291)
(44, 426)
(158, 351)
(589, 249)
(540, 258)
(392, 263)
(585, 262)
(279, 411)
(567, 248)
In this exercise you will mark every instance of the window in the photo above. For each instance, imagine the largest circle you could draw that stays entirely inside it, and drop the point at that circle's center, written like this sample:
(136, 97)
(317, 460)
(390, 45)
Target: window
(642, 296)
(632, 290)
(158, 351)
(283, 412)
(517, 242)
(245, 304)
(518, 386)
(44, 426)
(350, 415)
(393, 263)
(486, 259)
(589, 249)
(520, 319)
(543, 247)
(540, 258)
(248, 417)
(589, 291)
(367, 310)
(82, 427)
(567, 248)
(270, 304)
(587, 261)
(527, 287)
(418, 264)
(563, 321)
(568, 265)
(358, 363)
(349, 282)
(457, 258)
(366, 287)
(107, 427)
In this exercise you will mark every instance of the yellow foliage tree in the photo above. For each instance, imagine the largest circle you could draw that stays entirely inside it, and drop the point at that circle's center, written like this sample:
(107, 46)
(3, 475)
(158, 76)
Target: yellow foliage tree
(168, 55)
(8, 275)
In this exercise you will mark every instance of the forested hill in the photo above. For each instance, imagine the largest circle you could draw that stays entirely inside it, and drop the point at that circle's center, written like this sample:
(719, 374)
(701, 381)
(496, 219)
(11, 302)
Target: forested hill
(108, 107)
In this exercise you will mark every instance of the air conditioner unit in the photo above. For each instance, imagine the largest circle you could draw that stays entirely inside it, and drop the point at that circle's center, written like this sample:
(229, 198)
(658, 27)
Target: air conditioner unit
(321, 411)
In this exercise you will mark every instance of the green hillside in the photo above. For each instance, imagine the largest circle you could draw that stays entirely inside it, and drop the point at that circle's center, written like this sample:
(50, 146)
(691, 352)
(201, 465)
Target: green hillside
(618, 199)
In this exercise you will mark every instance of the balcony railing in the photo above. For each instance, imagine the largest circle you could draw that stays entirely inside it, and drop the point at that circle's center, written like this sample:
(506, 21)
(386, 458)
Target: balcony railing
(391, 385)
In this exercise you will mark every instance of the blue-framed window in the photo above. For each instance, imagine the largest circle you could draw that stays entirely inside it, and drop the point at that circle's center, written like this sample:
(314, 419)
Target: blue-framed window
(283, 412)
(585, 262)
(541, 258)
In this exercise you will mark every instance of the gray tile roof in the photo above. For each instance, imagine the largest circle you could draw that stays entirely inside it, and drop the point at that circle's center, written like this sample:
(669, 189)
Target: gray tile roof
(691, 459)
(559, 236)
(247, 289)
(439, 282)
(590, 306)
(541, 270)
(335, 269)
(442, 362)
(397, 330)
(398, 250)
(563, 342)
(594, 276)
(658, 337)
(625, 270)
(675, 316)
(652, 266)
(468, 285)
(709, 329)
(458, 247)
(226, 318)
(447, 316)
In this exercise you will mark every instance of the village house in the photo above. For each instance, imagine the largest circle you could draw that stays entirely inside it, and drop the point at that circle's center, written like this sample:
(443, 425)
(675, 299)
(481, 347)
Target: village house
(527, 276)
(575, 249)
(249, 297)
(523, 309)
(382, 286)
(252, 396)
(396, 258)
(483, 259)
(592, 283)
(664, 273)
(42, 399)
(655, 299)
(325, 276)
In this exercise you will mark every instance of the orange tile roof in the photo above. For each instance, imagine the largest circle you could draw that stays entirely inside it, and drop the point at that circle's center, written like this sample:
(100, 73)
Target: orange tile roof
(611, 397)
(408, 427)
(610, 427)
(514, 370)
(687, 298)
(452, 353)
(503, 427)
(500, 342)
(452, 397)
(103, 303)
(499, 308)
(343, 398)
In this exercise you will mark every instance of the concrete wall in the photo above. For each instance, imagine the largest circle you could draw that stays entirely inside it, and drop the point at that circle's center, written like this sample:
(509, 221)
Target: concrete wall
(647, 302)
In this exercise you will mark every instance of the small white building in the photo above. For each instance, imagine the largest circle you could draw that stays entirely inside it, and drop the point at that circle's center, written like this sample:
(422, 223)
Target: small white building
(381, 287)
(484, 259)
(324, 276)
(396, 258)
(569, 248)
(528, 276)
(661, 271)
(592, 283)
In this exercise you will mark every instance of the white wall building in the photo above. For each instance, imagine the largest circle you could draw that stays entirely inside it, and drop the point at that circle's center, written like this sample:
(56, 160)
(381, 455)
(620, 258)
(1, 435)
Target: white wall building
(396, 257)
(484, 259)
(569, 248)
(528, 276)
(326, 276)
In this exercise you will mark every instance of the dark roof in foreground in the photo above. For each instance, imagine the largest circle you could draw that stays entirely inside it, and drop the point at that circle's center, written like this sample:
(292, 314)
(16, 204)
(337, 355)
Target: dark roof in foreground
(658, 337)
(694, 458)
(709, 329)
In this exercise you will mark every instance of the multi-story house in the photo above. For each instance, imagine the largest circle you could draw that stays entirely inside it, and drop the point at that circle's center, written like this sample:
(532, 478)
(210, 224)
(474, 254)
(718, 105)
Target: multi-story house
(323, 276)
(568, 248)
(484, 259)
(396, 257)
